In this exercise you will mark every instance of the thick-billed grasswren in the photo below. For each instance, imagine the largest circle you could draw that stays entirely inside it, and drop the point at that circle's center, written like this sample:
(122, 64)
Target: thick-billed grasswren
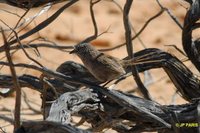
(103, 67)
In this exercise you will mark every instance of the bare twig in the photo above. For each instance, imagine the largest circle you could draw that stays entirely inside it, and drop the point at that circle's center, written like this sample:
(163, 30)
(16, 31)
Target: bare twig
(29, 20)
(178, 49)
(7, 119)
(138, 33)
(23, 15)
(27, 55)
(21, 46)
(138, 37)
(38, 45)
(129, 47)
(44, 95)
(46, 86)
(15, 14)
(43, 24)
(146, 24)
(170, 14)
(28, 104)
(89, 39)
(2, 130)
(16, 83)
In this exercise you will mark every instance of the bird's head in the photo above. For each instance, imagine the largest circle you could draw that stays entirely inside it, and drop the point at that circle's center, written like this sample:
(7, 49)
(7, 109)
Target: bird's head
(82, 49)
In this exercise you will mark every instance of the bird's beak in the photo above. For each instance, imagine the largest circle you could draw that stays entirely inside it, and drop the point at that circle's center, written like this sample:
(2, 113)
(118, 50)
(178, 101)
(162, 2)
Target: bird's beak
(73, 51)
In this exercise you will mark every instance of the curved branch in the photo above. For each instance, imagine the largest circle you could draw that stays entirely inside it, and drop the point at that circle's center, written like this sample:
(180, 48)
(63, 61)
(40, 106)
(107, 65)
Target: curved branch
(192, 48)
(187, 84)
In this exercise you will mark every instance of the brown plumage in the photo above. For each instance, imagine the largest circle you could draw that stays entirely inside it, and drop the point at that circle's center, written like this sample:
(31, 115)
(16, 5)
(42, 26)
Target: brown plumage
(101, 66)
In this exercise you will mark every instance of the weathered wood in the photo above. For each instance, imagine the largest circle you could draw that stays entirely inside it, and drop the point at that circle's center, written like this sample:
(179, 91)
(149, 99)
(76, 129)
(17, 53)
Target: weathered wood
(190, 46)
(47, 127)
(104, 112)
(187, 84)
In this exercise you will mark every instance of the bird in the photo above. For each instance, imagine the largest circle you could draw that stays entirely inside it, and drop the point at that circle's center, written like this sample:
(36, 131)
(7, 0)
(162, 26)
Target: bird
(102, 66)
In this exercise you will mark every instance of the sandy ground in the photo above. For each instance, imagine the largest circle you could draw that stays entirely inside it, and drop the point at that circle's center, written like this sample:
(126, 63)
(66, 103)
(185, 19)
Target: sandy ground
(75, 25)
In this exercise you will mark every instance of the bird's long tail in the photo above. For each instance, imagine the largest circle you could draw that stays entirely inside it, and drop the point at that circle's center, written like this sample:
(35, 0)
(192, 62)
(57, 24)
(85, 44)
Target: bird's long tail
(142, 59)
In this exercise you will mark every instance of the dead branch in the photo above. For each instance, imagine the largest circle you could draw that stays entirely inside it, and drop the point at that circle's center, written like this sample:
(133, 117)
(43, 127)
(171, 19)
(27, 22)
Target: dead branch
(47, 127)
(26, 100)
(129, 48)
(146, 24)
(15, 82)
(27, 55)
(89, 39)
(7, 119)
(104, 112)
(39, 45)
(190, 46)
(185, 81)
(170, 14)
(43, 24)
(138, 33)
(68, 68)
